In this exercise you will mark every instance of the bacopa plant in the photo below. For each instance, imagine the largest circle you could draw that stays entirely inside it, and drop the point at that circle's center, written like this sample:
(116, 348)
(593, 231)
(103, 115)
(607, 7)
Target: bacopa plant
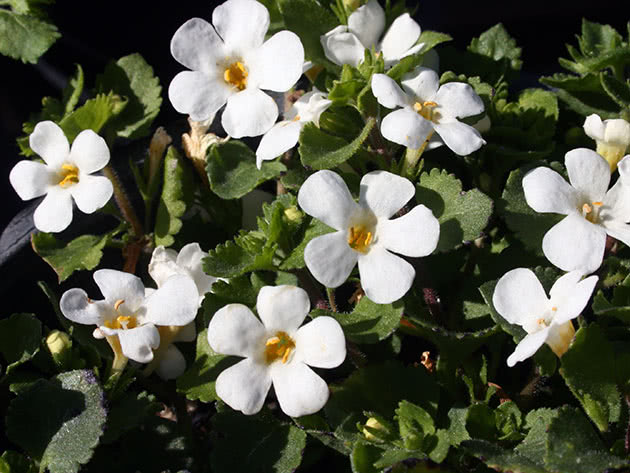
(402, 267)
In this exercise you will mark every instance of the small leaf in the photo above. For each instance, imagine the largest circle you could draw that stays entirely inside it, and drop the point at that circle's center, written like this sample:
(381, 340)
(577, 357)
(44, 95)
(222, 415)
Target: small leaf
(129, 413)
(92, 115)
(462, 215)
(20, 338)
(500, 459)
(248, 252)
(232, 170)
(618, 90)
(584, 95)
(415, 426)
(319, 150)
(25, 37)
(498, 45)
(72, 92)
(295, 259)
(534, 446)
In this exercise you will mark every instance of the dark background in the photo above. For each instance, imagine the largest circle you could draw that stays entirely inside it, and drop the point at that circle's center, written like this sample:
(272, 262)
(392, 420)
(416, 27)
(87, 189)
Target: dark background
(91, 36)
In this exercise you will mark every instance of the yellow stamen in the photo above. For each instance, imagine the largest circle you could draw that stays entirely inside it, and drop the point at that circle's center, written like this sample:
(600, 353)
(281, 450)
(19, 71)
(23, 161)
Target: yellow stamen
(554, 309)
(122, 322)
(425, 109)
(359, 239)
(279, 347)
(587, 209)
(597, 204)
(118, 303)
(236, 74)
(69, 175)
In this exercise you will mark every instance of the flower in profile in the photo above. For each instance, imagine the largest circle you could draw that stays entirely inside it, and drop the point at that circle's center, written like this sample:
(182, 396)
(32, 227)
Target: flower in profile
(521, 300)
(365, 234)
(347, 44)
(66, 174)
(128, 317)
(427, 108)
(277, 351)
(284, 135)
(611, 136)
(592, 210)
(230, 62)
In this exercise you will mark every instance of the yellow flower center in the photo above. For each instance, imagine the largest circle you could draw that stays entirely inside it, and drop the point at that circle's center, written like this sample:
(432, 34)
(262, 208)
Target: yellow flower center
(359, 238)
(279, 347)
(425, 110)
(69, 175)
(591, 212)
(236, 74)
(124, 322)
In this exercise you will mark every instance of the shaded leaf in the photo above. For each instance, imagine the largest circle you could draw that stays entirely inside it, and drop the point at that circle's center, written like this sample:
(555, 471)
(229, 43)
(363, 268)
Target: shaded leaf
(20, 338)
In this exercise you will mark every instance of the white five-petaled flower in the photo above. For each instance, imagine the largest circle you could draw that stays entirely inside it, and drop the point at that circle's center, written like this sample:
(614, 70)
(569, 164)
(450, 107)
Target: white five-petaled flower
(365, 234)
(277, 351)
(66, 175)
(347, 44)
(592, 211)
(129, 314)
(611, 136)
(285, 134)
(231, 63)
(426, 107)
(520, 299)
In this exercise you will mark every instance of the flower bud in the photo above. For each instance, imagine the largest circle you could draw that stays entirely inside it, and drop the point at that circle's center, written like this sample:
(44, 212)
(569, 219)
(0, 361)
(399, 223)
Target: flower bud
(373, 424)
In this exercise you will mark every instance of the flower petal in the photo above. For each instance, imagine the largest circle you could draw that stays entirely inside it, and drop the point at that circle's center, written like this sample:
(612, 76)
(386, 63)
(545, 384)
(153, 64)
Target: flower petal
(54, 214)
(325, 196)
(242, 24)
(422, 83)
(589, 173)
(235, 330)
(309, 107)
(91, 192)
(330, 259)
(190, 259)
(282, 307)
(277, 64)
(281, 137)
(570, 295)
(406, 127)
(414, 234)
(528, 346)
(198, 95)
(458, 100)
(385, 277)
(300, 391)
(138, 343)
(197, 46)
(163, 265)
(616, 206)
(172, 365)
(89, 152)
(48, 141)
(385, 193)
(387, 92)
(75, 305)
(320, 343)
(367, 23)
(575, 243)
(244, 386)
(619, 231)
(547, 191)
(400, 37)
(118, 285)
(342, 47)
(249, 113)
(462, 139)
(594, 127)
(175, 303)
(518, 296)
(31, 179)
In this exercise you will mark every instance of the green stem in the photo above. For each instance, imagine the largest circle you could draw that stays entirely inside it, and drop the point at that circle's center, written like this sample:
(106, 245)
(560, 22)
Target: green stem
(412, 156)
(331, 299)
(123, 201)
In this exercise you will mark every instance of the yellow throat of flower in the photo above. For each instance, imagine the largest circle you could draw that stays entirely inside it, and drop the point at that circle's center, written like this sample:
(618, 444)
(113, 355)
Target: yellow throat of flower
(124, 322)
(236, 75)
(69, 175)
(591, 211)
(425, 110)
(279, 347)
(359, 238)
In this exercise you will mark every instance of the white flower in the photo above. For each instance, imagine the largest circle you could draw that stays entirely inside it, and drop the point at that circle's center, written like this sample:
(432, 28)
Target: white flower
(66, 175)
(277, 351)
(428, 108)
(347, 44)
(129, 314)
(230, 63)
(285, 134)
(520, 299)
(365, 234)
(612, 137)
(579, 240)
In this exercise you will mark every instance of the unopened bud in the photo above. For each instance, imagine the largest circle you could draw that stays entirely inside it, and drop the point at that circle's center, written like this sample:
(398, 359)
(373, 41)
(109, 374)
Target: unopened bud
(374, 424)
(57, 342)
(293, 214)
(160, 140)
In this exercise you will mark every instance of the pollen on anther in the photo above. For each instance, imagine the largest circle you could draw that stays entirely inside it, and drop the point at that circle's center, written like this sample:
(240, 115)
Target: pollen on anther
(587, 208)
(118, 303)
(598, 204)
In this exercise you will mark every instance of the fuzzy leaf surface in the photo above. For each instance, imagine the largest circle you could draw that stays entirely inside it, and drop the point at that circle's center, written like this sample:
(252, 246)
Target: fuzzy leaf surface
(25, 37)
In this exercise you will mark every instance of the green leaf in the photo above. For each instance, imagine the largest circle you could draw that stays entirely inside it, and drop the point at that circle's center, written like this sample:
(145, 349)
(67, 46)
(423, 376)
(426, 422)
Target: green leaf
(584, 95)
(500, 459)
(84, 252)
(131, 77)
(587, 368)
(264, 444)
(416, 426)
(319, 150)
(129, 413)
(59, 422)
(368, 322)
(232, 169)
(92, 115)
(597, 39)
(498, 45)
(295, 259)
(618, 90)
(363, 457)
(25, 37)
(508, 421)
(534, 446)
(72, 92)
(15, 462)
(462, 215)
(175, 198)
(248, 252)
(20, 338)
(429, 40)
